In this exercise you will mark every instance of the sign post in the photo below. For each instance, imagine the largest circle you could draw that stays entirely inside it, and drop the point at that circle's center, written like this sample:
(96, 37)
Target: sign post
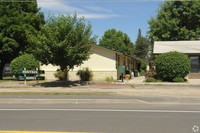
(25, 76)
(122, 70)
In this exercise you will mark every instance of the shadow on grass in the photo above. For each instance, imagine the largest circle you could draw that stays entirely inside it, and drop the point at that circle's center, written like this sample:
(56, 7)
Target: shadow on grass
(58, 83)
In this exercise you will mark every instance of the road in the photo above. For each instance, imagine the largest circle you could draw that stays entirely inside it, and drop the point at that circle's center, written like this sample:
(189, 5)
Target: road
(106, 118)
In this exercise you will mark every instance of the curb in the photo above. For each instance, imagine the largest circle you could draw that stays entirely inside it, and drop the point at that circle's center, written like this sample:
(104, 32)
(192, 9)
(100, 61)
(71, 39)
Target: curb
(68, 101)
(156, 84)
(87, 101)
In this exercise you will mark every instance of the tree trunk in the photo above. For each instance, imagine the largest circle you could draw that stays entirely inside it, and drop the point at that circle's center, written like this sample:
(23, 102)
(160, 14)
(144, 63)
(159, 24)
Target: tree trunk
(1, 70)
(66, 71)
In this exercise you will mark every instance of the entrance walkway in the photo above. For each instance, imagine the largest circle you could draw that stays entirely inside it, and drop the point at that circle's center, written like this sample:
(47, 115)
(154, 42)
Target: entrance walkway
(141, 79)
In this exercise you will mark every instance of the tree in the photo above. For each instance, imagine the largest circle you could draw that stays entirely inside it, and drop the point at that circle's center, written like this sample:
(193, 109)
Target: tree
(142, 46)
(117, 40)
(17, 21)
(27, 61)
(176, 20)
(64, 41)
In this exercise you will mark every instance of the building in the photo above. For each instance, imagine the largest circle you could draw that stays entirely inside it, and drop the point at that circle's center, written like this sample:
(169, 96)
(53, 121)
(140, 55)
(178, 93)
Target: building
(103, 62)
(190, 48)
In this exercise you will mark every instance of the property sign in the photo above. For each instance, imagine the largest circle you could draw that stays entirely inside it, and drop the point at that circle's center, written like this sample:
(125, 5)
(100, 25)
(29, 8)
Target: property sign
(122, 69)
(31, 71)
(31, 78)
(30, 75)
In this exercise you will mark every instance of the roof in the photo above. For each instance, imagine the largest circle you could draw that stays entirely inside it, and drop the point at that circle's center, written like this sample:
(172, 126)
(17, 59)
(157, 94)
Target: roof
(187, 47)
(107, 49)
(118, 52)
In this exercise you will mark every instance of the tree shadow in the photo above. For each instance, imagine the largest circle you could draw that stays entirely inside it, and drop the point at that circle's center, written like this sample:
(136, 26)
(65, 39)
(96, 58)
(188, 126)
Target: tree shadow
(59, 83)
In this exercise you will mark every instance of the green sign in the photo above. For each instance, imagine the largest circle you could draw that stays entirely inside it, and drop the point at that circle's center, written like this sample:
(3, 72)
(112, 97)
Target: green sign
(31, 72)
(122, 69)
(31, 78)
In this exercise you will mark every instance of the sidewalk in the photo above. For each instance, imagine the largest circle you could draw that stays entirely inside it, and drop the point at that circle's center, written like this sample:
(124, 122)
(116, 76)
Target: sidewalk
(140, 81)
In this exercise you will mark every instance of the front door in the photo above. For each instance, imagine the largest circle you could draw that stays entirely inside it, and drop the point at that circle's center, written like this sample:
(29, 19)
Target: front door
(195, 64)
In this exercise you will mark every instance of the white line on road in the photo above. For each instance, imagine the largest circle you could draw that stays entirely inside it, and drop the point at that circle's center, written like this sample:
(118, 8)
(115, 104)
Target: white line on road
(106, 110)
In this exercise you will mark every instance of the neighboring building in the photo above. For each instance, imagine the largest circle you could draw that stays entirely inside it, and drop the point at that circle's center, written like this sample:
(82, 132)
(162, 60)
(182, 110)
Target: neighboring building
(7, 70)
(103, 62)
(190, 48)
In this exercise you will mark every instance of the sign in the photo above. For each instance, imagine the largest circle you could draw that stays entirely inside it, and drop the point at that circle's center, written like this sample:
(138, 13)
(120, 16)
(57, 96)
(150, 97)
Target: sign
(31, 78)
(31, 72)
(30, 75)
(122, 69)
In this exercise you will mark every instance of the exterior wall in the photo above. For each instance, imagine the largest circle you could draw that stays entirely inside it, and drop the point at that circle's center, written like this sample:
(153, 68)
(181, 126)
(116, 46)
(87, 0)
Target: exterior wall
(49, 71)
(97, 75)
(102, 62)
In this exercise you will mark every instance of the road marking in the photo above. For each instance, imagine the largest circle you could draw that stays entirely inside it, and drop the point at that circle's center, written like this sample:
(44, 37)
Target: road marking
(107, 110)
(37, 132)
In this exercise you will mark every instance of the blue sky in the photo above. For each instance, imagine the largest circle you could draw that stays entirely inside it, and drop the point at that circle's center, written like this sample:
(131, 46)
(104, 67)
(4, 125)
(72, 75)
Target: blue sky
(125, 15)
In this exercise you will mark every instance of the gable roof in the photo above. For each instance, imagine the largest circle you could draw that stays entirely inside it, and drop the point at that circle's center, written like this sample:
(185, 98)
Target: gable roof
(107, 49)
(187, 47)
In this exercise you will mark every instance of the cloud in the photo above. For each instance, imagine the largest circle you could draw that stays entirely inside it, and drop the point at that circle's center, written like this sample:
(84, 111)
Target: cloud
(98, 16)
(57, 5)
(62, 7)
(96, 8)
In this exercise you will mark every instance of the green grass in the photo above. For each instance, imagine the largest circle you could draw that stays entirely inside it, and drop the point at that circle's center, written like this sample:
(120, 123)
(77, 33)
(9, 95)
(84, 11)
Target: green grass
(58, 93)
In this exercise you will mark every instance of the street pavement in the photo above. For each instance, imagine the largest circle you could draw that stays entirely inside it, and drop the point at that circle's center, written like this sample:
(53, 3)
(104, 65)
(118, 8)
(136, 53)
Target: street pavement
(104, 118)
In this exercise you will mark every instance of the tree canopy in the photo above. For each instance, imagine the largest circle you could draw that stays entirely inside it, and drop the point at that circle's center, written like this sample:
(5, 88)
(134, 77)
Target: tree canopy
(17, 21)
(63, 41)
(117, 40)
(176, 20)
(142, 46)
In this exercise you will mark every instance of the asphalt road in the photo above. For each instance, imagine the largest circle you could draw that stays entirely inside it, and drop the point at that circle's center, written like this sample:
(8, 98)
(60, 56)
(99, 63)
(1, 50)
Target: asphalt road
(106, 118)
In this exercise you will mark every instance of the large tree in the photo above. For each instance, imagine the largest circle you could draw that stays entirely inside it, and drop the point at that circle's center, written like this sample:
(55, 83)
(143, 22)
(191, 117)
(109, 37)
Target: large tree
(117, 40)
(142, 45)
(64, 41)
(176, 20)
(17, 21)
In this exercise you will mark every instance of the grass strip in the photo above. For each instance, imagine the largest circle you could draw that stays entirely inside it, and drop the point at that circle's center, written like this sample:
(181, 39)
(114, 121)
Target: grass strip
(59, 93)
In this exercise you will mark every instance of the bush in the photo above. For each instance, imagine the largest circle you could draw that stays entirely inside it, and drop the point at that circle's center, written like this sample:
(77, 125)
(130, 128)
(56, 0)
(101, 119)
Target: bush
(27, 61)
(85, 74)
(143, 67)
(178, 79)
(150, 79)
(109, 79)
(60, 74)
(172, 65)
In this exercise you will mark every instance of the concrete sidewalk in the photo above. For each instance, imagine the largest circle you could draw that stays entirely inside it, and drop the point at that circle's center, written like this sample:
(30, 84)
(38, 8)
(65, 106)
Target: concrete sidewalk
(140, 81)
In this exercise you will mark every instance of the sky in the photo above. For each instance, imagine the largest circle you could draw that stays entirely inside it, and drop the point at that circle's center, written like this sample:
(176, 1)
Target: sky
(124, 15)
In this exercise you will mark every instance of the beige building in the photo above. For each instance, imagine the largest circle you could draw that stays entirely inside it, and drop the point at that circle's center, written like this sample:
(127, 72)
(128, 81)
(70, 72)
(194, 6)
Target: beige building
(103, 62)
(190, 48)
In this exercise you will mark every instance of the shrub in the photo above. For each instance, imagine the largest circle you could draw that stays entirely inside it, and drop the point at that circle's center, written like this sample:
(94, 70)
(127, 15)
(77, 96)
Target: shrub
(27, 61)
(178, 79)
(85, 74)
(109, 79)
(60, 74)
(150, 79)
(172, 65)
(143, 67)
